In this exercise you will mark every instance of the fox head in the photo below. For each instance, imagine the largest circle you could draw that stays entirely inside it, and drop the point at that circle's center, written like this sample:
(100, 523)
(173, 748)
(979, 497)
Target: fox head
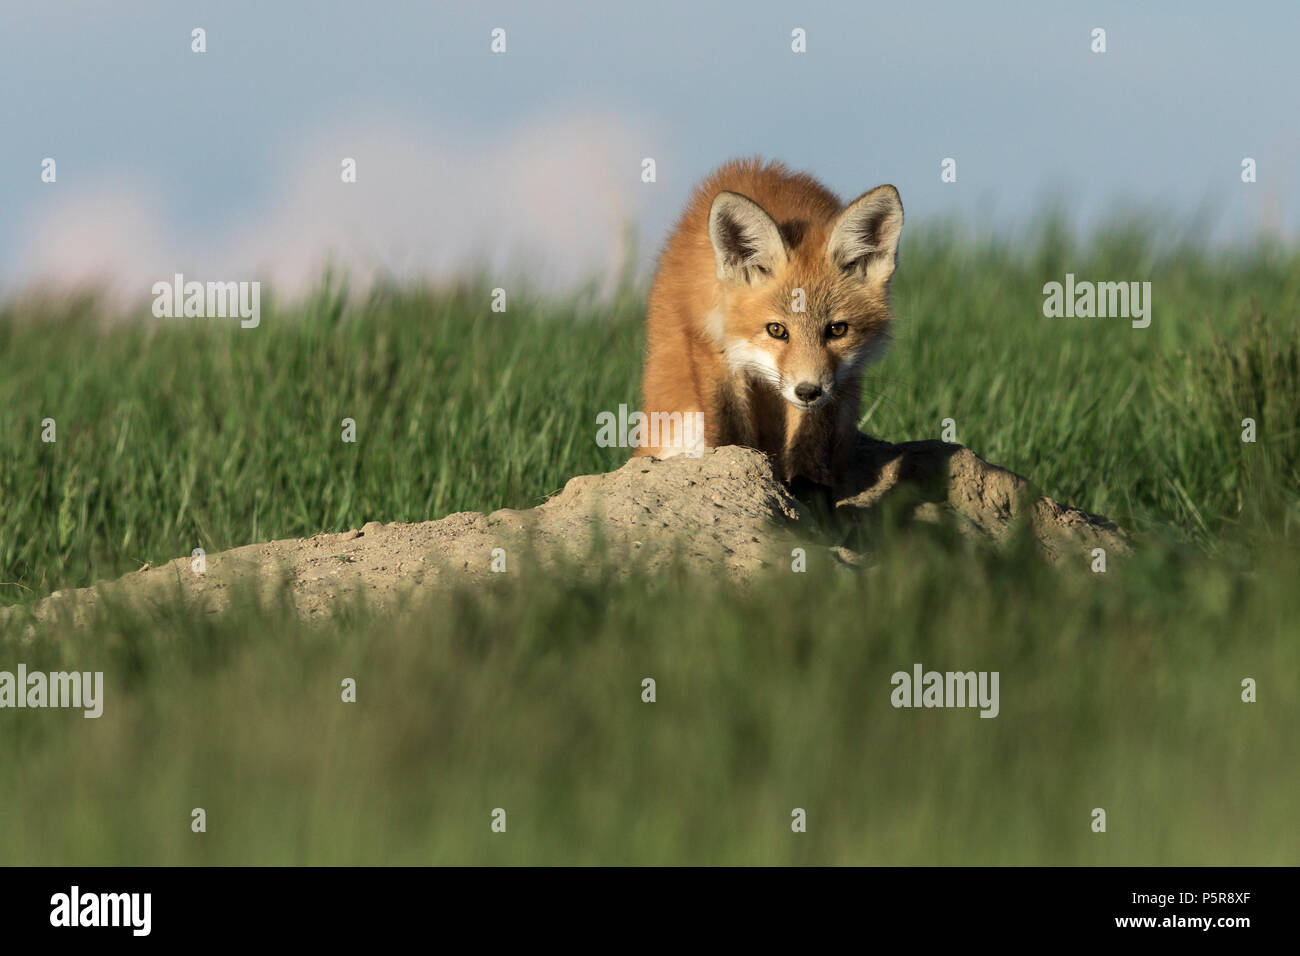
(804, 305)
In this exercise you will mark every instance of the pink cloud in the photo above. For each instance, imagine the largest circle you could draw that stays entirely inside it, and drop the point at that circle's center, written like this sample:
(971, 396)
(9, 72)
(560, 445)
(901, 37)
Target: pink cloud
(549, 201)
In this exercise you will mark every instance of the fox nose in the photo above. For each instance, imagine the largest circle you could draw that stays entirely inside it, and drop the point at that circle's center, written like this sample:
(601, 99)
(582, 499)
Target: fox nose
(808, 391)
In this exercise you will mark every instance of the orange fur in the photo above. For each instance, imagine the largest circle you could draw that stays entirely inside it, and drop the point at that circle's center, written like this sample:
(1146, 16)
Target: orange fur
(710, 342)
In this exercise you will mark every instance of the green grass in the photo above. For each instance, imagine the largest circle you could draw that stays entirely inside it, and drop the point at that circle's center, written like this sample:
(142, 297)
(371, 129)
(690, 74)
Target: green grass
(1119, 691)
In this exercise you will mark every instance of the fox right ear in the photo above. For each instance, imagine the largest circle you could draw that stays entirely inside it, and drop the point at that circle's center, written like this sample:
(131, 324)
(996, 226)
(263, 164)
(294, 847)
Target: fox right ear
(864, 240)
(747, 245)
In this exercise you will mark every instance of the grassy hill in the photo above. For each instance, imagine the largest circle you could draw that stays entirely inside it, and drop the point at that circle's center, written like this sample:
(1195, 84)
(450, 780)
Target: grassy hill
(1119, 690)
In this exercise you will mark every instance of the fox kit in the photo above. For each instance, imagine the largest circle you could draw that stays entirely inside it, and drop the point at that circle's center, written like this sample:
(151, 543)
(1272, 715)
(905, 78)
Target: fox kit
(770, 298)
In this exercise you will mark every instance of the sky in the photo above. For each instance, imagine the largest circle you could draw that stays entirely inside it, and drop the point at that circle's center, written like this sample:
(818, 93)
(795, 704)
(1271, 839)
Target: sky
(225, 165)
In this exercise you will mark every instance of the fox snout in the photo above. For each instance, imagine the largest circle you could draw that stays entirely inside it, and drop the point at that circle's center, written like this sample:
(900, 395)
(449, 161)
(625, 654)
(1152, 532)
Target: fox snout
(807, 391)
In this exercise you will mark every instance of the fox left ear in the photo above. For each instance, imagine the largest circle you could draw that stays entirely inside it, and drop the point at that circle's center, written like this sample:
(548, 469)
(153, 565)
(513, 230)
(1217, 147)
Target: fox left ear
(864, 240)
(747, 245)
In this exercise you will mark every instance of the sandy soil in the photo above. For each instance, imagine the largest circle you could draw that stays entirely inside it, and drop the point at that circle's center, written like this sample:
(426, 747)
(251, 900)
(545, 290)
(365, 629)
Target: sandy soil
(724, 512)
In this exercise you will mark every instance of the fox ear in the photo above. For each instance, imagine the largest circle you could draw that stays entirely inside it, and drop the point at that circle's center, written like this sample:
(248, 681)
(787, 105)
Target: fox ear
(864, 240)
(747, 245)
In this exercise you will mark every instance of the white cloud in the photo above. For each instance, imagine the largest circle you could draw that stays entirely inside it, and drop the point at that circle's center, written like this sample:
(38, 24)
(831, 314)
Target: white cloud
(549, 201)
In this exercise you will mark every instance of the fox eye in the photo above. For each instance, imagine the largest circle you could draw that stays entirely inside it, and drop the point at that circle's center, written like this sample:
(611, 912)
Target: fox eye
(838, 329)
(777, 330)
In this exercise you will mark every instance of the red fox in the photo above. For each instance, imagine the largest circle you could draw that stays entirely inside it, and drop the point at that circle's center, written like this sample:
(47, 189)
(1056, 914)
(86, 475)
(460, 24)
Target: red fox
(770, 298)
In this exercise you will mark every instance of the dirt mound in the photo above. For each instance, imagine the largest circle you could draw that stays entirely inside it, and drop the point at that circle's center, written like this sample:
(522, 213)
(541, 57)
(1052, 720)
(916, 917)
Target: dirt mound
(933, 479)
(724, 511)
